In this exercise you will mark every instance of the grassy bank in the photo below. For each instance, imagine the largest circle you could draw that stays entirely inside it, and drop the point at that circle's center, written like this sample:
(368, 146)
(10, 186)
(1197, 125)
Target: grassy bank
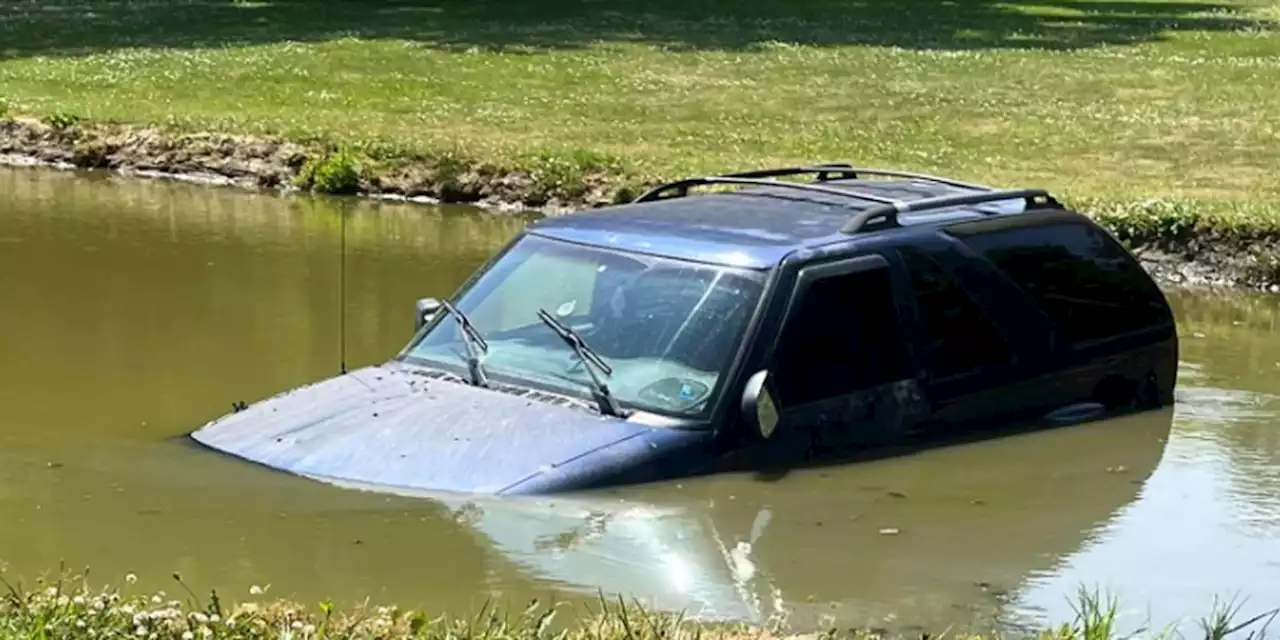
(1158, 116)
(70, 608)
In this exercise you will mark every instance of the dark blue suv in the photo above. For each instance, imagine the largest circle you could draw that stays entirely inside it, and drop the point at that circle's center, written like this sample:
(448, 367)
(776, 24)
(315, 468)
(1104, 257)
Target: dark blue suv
(767, 324)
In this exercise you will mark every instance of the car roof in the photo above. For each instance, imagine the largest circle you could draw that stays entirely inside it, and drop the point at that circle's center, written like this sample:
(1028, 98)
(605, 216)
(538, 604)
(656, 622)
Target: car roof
(757, 226)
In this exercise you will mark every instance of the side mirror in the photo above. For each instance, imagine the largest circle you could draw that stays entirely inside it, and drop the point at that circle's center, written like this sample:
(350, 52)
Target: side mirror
(425, 311)
(758, 406)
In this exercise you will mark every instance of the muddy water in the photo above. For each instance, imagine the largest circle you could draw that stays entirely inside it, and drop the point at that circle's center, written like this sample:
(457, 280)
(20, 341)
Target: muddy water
(132, 312)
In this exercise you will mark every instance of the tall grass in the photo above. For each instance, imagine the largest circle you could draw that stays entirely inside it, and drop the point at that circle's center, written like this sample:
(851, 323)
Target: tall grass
(69, 607)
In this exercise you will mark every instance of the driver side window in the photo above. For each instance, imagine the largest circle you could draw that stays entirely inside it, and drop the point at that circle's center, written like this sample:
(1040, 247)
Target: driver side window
(844, 337)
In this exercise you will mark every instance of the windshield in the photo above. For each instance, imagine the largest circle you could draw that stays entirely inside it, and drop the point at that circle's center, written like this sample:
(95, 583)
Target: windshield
(667, 329)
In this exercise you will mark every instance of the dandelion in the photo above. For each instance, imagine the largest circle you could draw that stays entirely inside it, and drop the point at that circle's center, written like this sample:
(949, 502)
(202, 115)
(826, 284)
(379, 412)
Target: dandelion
(130, 578)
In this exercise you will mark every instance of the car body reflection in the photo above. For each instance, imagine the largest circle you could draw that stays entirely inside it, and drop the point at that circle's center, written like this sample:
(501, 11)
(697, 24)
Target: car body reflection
(932, 529)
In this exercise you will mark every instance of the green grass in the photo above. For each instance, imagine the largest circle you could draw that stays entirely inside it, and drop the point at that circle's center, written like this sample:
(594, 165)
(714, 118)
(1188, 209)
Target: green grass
(69, 607)
(1120, 100)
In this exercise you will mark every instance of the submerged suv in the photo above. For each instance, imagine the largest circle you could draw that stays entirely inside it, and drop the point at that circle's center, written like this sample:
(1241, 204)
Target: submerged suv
(772, 322)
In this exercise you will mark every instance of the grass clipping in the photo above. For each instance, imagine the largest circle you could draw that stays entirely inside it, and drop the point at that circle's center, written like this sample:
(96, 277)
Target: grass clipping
(71, 608)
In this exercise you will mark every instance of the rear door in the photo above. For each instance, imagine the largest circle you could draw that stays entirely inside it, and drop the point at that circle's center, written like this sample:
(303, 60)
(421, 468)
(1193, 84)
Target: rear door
(982, 348)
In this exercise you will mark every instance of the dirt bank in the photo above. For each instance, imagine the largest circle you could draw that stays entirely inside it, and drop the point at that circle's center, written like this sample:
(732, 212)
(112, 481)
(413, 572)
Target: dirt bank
(1176, 244)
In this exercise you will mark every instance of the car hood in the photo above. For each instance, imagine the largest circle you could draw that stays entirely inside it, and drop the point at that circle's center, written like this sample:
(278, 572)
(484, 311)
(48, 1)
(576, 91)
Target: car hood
(390, 426)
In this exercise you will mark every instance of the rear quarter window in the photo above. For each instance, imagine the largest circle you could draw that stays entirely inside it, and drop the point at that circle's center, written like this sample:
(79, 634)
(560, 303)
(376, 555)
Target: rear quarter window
(1078, 275)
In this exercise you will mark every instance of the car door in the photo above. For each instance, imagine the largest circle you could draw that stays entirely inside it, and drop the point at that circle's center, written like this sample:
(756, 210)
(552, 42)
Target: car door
(842, 373)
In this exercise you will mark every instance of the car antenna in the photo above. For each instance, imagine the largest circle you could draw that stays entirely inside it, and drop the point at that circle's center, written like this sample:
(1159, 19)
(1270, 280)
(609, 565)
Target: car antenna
(342, 291)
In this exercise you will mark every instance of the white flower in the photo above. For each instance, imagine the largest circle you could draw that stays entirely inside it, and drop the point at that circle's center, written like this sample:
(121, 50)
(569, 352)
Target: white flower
(200, 617)
(140, 631)
(297, 624)
(309, 629)
(63, 600)
(205, 632)
(255, 590)
(51, 591)
(213, 617)
(156, 599)
(130, 578)
(187, 635)
(80, 624)
(78, 600)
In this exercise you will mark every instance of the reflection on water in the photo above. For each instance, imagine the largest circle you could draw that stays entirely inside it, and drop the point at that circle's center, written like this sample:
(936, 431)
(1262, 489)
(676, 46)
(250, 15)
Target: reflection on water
(131, 313)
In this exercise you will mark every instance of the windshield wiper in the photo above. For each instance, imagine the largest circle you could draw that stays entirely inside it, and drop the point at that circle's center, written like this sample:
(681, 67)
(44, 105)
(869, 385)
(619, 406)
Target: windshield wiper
(473, 339)
(608, 404)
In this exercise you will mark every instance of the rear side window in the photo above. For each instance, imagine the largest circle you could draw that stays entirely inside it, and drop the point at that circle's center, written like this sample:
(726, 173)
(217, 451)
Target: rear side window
(960, 338)
(1079, 276)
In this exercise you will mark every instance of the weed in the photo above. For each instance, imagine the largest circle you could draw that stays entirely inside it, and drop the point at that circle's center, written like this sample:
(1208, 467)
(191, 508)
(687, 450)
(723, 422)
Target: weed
(62, 120)
(334, 172)
(70, 608)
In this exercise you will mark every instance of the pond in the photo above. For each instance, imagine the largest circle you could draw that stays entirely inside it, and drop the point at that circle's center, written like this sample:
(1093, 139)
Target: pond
(132, 312)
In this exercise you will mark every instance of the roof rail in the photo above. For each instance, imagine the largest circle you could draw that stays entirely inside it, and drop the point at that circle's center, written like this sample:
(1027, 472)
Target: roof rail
(824, 172)
(848, 171)
(682, 186)
(890, 212)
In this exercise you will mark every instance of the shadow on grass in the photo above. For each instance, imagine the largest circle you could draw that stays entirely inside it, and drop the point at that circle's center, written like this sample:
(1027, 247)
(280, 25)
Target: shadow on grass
(75, 27)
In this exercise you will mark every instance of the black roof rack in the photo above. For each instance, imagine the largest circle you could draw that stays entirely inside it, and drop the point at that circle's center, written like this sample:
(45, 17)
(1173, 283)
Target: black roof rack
(848, 171)
(824, 171)
(889, 212)
(682, 187)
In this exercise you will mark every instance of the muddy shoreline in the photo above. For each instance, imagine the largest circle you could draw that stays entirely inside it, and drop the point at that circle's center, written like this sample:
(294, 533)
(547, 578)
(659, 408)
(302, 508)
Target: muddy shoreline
(1250, 262)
